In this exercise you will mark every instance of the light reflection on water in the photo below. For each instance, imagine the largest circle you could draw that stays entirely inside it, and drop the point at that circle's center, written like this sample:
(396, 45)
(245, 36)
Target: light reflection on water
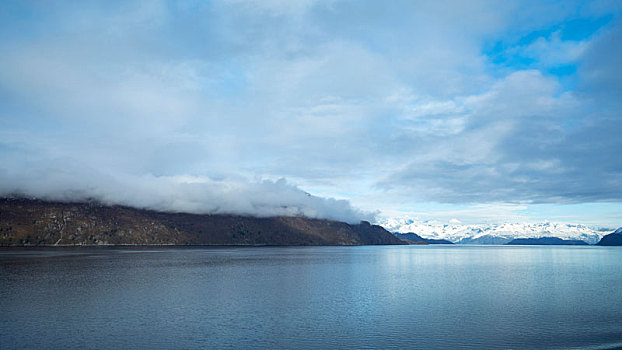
(468, 297)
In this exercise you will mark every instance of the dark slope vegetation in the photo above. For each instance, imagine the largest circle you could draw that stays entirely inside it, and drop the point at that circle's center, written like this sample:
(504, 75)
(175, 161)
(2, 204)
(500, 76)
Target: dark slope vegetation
(25, 222)
(612, 239)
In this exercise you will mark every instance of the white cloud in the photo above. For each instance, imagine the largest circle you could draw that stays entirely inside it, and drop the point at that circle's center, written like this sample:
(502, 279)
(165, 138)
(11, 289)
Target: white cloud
(67, 181)
(332, 96)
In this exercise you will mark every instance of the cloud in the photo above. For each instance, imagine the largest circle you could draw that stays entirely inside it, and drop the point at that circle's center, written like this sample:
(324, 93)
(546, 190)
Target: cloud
(67, 181)
(523, 140)
(380, 103)
(601, 74)
(553, 50)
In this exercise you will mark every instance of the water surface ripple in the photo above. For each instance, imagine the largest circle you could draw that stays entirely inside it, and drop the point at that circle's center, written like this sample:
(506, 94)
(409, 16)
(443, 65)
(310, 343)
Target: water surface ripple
(374, 297)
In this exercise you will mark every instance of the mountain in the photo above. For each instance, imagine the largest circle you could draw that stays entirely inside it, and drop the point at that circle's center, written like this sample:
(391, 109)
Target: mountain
(411, 237)
(437, 241)
(416, 239)
(491, 233)
(26, 222)
(545, 241)
(612, 239)
(485, 239)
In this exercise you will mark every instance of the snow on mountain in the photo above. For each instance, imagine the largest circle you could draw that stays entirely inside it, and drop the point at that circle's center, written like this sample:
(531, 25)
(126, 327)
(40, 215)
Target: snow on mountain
(491, 233)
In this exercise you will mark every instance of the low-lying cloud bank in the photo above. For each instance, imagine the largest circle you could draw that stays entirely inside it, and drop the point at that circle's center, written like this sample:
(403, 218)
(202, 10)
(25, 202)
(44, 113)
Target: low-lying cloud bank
(189, 194)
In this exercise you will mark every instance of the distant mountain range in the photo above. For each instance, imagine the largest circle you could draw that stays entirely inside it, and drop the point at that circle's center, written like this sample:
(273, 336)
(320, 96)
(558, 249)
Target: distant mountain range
(492, 233)
(26, 222)
(29, 222)
(545, 241)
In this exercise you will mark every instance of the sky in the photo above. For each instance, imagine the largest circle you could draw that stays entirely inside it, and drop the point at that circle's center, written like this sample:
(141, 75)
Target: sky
(462, 111)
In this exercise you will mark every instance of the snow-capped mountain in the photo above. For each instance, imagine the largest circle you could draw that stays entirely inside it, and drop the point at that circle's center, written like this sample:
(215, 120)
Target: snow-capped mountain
(491, 233)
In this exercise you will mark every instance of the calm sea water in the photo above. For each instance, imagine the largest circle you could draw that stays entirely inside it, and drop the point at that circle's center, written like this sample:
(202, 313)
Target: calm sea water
(382, 297)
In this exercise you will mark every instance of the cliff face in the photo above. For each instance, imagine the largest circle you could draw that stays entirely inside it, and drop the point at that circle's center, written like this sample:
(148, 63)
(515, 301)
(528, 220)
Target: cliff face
(26, 222)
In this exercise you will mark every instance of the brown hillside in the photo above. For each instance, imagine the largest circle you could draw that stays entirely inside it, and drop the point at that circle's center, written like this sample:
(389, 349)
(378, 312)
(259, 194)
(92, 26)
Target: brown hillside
(25, 222)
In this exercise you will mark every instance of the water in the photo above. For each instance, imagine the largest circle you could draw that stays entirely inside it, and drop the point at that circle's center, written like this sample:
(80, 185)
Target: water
(312, 297)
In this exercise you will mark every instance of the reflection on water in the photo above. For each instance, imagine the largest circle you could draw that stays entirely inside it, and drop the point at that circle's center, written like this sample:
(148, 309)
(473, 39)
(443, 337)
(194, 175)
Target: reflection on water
(312, 297)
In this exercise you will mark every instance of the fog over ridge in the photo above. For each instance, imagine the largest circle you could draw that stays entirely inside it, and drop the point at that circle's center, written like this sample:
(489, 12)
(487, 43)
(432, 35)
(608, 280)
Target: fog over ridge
(187, 194)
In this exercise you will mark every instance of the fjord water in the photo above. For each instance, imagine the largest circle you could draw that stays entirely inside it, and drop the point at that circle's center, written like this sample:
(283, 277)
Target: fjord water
(471, 297)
